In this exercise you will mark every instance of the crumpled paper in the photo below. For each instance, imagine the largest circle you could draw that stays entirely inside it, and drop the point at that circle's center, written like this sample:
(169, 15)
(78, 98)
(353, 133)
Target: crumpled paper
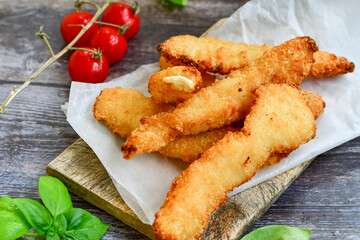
(144, 181)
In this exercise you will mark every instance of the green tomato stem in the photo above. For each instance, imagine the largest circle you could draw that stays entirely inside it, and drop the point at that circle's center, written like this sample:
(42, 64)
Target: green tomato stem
(122, 29)
(44, 36)
(16, 91)
(97, 53)
(135, 6)
(78, 5)
(76, 25)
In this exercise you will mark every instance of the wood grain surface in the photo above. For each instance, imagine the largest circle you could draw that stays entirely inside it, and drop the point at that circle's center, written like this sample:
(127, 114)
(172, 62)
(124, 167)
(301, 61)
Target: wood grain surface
(33, 130)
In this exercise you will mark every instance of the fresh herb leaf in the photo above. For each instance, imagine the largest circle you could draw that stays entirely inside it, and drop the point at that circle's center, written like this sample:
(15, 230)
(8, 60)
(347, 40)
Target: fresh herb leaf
(36, 214)
(60, 224)
(54, 195)
(179, 2)
(81, 225)
(13, 223)
(52, 235)
(279, 232)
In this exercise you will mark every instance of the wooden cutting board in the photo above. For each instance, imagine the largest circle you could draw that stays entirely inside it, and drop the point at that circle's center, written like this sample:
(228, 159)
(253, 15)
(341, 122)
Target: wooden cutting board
(82, 172)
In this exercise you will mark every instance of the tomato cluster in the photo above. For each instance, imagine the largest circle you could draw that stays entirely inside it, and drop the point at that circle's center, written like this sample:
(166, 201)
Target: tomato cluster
(100, 46)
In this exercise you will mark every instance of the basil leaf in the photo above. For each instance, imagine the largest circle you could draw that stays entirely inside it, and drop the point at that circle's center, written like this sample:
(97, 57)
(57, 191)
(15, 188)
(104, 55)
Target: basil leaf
(81, 225)
(52, 235)
(279, 232)
(36, 214)
(179, 2)
(60, 224)
(13, 223)
(54, 195)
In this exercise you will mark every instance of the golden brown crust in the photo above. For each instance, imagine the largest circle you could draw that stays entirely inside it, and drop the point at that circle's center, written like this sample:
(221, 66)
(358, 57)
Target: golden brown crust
(224, 101)
(329, 65)
(122, 117)
(279, 122)
(215, 55)
(164, 63)
(190, 148)
(209, 54)
(163, 92)
(207, 78)
(315, 102)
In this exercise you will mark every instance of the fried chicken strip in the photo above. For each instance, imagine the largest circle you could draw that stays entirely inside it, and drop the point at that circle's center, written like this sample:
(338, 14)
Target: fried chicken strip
(209, 54)
(225, 101)
(329, 65)
(279, 122)
(122, 109)
(216, 55)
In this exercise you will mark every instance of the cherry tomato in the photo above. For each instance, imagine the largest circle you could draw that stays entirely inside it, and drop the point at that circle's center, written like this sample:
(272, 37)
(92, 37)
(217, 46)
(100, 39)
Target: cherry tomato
(120, 14)
(69, 33)
(83, 67)
(112, 44)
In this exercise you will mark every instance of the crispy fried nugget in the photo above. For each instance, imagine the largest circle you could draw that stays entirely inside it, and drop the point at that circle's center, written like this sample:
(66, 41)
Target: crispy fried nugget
(216, 55)
(329, 65)
(209, 54)
(279, 122)
(225, 101)
(207, 78)
(121, 116)
(174, 84)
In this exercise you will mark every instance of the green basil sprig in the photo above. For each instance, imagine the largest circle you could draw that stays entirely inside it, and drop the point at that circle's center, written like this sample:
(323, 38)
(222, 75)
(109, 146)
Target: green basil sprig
(279, 232)
(13, 223)
(58, 220)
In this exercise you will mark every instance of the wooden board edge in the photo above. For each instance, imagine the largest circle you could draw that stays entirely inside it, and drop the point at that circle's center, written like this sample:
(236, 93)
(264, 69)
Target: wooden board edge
(214, 27)
(129, 218)
(234, 219)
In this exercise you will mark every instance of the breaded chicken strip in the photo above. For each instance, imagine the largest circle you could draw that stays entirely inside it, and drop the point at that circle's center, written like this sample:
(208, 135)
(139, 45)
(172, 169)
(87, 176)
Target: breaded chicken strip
(279, 122)
(225, 101)
(186, 148)
(216, 55)
(329, 65)
(209, 54)
(122, 117)
(174, 84)
(190, 148)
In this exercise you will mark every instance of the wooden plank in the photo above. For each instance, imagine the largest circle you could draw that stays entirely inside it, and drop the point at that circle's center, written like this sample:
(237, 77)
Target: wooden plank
(82, 172)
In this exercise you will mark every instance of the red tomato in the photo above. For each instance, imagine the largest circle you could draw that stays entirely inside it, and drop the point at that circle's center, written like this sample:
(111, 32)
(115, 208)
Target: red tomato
(112, 44)
(120, 14)
(69, 33)
(84, 68)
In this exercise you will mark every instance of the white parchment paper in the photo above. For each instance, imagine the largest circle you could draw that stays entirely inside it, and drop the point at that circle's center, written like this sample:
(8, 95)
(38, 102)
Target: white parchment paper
(144, 181)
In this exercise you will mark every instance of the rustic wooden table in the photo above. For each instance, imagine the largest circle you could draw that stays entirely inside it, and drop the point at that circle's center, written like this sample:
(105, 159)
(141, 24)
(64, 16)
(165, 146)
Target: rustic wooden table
(34, 130)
